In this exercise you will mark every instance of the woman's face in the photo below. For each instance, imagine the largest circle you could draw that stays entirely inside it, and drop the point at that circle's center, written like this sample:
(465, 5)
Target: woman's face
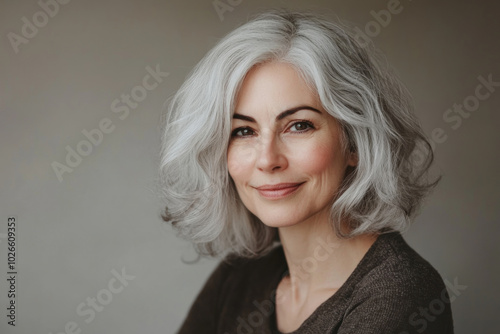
(285, 155)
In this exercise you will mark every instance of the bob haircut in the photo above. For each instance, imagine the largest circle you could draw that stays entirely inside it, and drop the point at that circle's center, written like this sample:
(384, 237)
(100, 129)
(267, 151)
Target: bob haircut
(380, 194)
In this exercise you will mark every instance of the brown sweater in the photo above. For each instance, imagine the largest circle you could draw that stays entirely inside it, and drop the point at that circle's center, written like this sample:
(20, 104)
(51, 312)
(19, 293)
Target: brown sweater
(392, 291)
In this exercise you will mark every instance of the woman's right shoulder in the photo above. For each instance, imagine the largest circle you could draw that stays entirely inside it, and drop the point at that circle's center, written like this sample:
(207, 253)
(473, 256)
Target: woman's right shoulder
(234, 264)
(235, 271)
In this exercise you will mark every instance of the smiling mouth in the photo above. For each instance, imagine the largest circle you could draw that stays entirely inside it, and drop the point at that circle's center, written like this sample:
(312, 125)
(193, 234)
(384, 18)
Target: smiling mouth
(278, 191)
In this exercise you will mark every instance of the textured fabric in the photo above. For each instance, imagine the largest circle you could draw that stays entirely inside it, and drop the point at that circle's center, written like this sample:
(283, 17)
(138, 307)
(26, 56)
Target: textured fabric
(392, 290)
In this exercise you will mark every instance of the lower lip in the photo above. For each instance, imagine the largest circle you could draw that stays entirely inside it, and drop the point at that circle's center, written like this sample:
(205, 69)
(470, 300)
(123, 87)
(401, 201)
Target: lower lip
(279, 193)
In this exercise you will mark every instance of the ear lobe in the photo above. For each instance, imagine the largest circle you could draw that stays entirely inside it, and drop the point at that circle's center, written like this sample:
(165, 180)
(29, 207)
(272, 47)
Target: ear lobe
(352, 159)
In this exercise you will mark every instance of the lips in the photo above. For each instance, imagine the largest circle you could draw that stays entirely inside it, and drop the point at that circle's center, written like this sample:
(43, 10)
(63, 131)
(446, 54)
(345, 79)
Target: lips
(279, 190)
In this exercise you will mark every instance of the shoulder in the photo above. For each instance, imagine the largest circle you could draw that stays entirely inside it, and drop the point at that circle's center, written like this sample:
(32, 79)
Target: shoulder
(230, 292)
(401, 287)
(255, 274)
(232, 261)
(234, 267)
(395, 264)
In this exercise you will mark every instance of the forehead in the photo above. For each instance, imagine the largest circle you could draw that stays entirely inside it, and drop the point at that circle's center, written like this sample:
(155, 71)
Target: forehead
(274, 86)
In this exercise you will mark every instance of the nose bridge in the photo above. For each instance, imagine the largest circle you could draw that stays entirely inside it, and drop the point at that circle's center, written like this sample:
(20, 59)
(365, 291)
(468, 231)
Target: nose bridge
(270, 155)
(267, 141)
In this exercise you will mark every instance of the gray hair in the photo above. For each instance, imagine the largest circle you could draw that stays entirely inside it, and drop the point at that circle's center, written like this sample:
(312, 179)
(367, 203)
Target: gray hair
(380, 194)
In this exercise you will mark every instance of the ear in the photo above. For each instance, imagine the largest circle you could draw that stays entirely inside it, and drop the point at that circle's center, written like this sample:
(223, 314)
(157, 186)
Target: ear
(352, 158)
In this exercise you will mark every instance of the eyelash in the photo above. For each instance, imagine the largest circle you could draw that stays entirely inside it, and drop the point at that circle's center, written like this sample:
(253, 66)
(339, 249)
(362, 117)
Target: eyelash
(304, 121)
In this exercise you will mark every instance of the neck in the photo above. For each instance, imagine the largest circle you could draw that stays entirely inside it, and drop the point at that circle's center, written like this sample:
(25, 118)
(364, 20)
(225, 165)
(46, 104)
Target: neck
(317, 259)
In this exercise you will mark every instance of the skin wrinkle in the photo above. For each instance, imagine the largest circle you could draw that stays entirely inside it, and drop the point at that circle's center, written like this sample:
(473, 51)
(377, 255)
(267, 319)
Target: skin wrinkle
(266, 149)
(362, 96)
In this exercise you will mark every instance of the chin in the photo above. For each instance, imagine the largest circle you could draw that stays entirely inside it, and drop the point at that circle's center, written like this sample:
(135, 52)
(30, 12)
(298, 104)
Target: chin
(287, 217)
(278, 220)
(279, 223)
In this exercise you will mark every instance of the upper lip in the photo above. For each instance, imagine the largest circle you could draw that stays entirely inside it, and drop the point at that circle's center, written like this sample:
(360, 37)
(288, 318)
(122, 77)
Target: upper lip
(278, 186)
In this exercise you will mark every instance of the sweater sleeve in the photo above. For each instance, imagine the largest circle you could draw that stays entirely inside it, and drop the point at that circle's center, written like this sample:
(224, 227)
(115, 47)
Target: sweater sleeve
(203, 314)
(392, 306)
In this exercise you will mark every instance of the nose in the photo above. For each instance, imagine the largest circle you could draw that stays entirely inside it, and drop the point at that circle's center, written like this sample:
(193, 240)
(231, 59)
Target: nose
(270, 153)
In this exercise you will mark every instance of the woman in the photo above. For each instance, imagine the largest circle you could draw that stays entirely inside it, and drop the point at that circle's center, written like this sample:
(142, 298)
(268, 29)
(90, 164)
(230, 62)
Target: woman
(294, 153)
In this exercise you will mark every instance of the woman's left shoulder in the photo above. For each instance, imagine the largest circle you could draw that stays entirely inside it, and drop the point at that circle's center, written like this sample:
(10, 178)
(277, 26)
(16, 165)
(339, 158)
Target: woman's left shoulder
(399, 291)
(395, 265)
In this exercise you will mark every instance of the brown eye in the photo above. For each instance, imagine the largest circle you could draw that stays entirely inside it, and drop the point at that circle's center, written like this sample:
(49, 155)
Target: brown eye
(301, 126)
(242, 132)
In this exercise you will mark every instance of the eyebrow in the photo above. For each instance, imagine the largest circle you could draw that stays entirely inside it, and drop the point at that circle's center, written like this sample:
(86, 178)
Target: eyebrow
(282, 115)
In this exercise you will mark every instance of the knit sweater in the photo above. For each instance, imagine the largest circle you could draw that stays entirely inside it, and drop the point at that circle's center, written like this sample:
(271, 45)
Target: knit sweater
(393, 290)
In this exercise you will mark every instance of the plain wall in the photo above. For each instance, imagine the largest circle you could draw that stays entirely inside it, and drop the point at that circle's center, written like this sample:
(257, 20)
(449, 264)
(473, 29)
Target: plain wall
(104, 215)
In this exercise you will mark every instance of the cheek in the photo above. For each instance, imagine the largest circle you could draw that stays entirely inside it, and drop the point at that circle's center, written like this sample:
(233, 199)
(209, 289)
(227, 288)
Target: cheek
(318, 159)
(238, 162)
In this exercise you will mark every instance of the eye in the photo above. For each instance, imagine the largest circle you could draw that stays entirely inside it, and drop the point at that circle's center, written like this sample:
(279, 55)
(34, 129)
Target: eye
(242, 132)
(301, 126)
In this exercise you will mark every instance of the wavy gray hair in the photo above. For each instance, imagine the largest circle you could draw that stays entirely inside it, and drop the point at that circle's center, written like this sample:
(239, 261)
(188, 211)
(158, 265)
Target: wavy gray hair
(380, 194)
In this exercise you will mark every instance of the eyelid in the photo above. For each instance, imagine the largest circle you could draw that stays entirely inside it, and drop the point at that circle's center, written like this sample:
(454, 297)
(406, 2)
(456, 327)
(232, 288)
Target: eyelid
(287, 128)
(308, 122)
(233, 132)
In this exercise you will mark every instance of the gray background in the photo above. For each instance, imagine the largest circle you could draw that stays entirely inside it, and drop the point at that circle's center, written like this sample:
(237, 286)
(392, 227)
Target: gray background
(104, 215)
